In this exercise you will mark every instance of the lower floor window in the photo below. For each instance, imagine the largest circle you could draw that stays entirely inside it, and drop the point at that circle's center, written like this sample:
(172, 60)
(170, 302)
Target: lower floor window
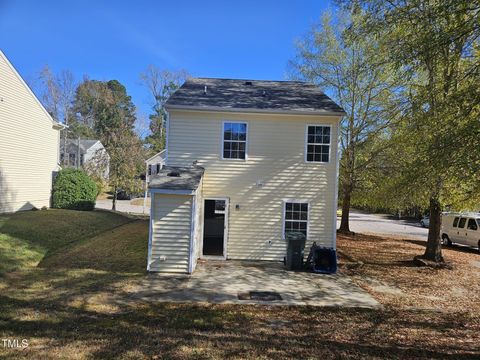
(296, 217)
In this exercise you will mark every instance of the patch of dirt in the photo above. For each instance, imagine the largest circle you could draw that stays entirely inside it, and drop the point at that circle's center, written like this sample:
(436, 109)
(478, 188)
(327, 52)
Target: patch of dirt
(385, 267)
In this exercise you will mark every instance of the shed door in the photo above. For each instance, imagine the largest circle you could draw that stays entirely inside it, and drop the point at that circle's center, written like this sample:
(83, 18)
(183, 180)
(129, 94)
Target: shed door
(214, 227)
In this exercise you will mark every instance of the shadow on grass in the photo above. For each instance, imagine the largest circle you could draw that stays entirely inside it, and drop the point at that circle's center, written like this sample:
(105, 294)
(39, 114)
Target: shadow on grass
(454, 247)
(29, 237)
(57, 313)
(95, 314)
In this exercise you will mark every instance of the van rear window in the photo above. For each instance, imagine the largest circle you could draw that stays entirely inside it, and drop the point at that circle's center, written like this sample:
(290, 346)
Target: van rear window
(472, 225)
(462, 222)
(455, 222)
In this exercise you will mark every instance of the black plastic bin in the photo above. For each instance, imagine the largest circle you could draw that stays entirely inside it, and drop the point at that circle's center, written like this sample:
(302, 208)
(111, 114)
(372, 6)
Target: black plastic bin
(324, 260)
(295, 250)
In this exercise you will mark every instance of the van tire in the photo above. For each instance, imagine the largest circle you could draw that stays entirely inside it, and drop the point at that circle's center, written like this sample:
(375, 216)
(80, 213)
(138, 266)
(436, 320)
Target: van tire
(447, 242)
(479, 246)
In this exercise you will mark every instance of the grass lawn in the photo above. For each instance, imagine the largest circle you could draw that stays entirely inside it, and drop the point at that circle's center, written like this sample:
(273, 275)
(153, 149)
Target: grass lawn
(74, 302)
(28, 237)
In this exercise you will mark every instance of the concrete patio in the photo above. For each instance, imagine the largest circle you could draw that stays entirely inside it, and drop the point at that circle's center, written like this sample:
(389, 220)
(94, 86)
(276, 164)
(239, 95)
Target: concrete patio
(225, 282)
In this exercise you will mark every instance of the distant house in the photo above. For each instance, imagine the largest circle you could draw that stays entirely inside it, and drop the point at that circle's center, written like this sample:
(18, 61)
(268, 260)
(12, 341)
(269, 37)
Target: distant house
(155, 164)
(88, 154)
(29, 143)
(247, 163)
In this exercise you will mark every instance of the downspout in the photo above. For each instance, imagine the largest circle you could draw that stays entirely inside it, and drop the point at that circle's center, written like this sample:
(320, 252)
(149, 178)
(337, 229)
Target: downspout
(191, 253)
(146, 188)
(335, 201)
(150, 230)
(166, 136)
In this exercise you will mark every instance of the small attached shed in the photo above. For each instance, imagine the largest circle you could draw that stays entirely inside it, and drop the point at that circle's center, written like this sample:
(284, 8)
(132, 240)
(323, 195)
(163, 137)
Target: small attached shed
(174, 238)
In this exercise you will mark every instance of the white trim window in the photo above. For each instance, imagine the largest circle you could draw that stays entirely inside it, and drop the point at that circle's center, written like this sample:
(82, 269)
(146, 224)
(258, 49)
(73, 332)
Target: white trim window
(318, 143)
(295, 217)
(234, 145)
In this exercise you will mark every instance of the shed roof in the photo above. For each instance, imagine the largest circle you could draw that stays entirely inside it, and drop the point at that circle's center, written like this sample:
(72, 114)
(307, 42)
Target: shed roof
(177, 178)
(252, 95)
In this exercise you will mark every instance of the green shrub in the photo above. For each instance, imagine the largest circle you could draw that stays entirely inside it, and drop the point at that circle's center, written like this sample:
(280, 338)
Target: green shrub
(73, 189)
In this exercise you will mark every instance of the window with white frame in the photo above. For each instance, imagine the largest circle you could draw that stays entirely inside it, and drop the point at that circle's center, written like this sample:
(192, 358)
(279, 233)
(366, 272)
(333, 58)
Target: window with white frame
(234, 140)
(296, 217)
(318, 143)
(72, 159)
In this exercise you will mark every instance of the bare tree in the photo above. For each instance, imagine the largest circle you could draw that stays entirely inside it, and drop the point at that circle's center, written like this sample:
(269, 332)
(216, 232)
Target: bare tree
(350, 68)
(160, 84)
(57, 94)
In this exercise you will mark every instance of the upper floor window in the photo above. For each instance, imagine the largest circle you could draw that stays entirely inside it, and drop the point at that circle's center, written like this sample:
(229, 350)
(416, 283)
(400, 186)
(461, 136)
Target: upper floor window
(318, 143)
(234, 140)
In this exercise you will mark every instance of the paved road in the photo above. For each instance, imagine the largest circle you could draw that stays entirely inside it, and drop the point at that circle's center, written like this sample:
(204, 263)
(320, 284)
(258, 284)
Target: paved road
(382, 224)
(359, 222)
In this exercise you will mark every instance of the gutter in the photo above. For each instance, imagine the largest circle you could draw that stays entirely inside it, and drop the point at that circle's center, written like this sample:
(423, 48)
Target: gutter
(255, 110)
(59, 126)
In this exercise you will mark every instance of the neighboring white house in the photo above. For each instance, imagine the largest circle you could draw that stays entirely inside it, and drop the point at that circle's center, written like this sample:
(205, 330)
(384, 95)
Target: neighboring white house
(88, 154)
(29, 143)
(247, 162)
(155, 164)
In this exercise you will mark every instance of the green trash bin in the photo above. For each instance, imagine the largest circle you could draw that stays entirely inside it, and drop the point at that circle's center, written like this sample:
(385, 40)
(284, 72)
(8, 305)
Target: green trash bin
(295, 250)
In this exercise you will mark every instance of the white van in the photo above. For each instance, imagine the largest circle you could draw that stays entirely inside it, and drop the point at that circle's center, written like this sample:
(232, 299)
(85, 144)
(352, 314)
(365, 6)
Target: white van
(461, 229)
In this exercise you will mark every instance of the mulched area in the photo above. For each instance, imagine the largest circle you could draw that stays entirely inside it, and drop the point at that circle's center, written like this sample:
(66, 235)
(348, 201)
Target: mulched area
(428, 313)
(385, 268)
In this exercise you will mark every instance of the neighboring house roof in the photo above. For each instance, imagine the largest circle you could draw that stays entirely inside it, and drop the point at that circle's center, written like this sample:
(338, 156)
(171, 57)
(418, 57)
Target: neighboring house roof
(177, 178)
(56, 125)
(161, 155)
(84, 144)
(252, 96)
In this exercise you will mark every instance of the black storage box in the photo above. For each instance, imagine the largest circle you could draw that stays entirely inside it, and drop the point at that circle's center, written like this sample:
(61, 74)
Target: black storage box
(324, 260)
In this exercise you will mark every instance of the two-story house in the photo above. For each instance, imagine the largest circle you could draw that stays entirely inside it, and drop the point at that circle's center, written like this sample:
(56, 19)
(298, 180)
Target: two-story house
(90, 155)
(247, 162)
(29, 142)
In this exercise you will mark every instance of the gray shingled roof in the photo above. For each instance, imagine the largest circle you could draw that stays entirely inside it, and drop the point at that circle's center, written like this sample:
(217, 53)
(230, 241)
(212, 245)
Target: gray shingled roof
(252, 95)
(189, 178)
(84, 144)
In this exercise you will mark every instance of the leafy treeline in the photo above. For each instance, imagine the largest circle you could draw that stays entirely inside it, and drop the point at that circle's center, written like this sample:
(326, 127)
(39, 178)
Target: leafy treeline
(103, 110)
(419, 147)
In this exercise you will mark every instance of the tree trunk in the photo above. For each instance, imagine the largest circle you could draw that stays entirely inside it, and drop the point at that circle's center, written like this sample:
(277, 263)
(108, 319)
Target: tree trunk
(345, 222)
(114, 201)
(433, 252)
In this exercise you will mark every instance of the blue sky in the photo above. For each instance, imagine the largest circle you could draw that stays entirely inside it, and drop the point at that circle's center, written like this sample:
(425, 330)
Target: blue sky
(118, 39)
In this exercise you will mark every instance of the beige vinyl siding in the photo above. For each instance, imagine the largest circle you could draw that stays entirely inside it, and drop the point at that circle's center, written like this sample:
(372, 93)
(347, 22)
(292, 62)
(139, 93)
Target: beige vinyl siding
(29, 145)
(198, 225)
(171, 231)
(276, 158)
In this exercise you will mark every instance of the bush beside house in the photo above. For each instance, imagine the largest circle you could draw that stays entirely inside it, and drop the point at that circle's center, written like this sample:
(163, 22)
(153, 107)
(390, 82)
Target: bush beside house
(74, 189)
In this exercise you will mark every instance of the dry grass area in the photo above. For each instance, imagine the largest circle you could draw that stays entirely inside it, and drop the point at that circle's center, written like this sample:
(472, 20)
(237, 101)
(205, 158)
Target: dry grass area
(385, 268)
(139, 202)
(75, 307)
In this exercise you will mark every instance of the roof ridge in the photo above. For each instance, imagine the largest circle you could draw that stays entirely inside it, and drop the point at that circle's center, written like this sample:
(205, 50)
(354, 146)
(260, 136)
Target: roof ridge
(239, 79)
